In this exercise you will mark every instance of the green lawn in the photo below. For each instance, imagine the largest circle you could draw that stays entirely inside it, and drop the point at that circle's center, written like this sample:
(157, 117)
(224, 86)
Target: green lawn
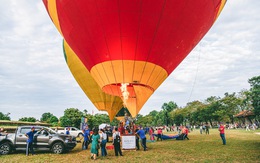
(241, 146)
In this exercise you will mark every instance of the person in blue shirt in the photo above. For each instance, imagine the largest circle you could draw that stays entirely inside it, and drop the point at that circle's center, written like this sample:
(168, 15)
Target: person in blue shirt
(67, 131)
(141, 134)
(30, 135)
(86, 134)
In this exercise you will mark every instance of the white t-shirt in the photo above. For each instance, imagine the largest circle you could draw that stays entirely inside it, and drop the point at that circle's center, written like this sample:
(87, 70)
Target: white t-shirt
(115, 133)
(104, 136)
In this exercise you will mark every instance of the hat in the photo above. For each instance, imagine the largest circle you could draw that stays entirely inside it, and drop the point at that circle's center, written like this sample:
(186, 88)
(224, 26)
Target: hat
(32, 127)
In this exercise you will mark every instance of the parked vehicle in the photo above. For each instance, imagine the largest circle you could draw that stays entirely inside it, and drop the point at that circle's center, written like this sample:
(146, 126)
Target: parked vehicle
(46, 139)
(73, 131)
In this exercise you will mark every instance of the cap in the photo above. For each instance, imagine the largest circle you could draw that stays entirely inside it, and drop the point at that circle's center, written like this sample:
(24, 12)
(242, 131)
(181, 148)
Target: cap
(32, 127)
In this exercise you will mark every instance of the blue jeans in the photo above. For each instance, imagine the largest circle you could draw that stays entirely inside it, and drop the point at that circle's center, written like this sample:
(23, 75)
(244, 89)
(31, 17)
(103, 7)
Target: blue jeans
(223, 138)
(103, 148)
(85, 144)
(144, 144)
(29, 148)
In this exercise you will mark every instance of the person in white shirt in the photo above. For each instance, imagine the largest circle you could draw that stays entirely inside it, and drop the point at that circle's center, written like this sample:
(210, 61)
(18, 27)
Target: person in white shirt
(116, 142)
(103, 138)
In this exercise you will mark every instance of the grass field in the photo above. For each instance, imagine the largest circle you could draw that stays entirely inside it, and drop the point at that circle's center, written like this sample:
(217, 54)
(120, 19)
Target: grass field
(241, 146)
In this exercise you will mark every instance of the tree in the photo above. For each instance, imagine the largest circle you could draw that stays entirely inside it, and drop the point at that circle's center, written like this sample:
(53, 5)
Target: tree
(65, 121)
(53, 119)
(145, 121)
(46, 117)
(5, 116)
(153, 113)
(167, 108)
(49, 118)
(231, 105)
(99, 119)
(115, 122)
(255, 94)
(178, 117)
(27, 119)
(245, 100)
(191, 111)
(72, 117)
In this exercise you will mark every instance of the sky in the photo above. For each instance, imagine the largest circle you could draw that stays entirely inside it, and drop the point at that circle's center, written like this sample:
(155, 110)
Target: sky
(35, 79)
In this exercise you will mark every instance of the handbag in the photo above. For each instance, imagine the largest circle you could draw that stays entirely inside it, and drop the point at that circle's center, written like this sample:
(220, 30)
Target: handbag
(98, 146)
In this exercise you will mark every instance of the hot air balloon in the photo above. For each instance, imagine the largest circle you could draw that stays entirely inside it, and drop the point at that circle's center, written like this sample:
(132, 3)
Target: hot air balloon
(121, 51)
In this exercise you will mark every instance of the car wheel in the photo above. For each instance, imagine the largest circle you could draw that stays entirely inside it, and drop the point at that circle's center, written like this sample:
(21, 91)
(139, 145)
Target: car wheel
(5, 148)
(58, 148)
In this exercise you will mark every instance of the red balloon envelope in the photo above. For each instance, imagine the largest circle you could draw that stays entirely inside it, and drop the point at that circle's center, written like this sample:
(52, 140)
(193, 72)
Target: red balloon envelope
(124, 49)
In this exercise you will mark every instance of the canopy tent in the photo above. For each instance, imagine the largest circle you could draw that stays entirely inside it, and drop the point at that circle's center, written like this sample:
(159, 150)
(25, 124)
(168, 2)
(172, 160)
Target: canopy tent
(245, 116)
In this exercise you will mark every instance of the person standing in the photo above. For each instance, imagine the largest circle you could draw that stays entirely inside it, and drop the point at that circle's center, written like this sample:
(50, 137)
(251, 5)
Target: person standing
(207, 128)
(222, 133)
(151, 132)
(247, 127)
(95, 144)
(141, 134)
(159, 132)
(103, 143)
(67, 131)
(185, 132)
(116, 142)
(30, 135)
(2, 132)
(137, 140)
(121, 128)
(201, 129)
(86, 134)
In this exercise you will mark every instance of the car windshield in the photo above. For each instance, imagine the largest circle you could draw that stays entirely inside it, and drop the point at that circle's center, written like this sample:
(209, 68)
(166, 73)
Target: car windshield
(50, 131)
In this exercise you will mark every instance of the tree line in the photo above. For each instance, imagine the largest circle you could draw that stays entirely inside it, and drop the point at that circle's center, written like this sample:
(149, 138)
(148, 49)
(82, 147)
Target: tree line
(213, 109)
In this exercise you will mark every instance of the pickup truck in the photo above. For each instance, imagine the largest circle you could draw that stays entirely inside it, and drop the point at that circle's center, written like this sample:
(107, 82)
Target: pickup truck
(73, 131)
(45, 139)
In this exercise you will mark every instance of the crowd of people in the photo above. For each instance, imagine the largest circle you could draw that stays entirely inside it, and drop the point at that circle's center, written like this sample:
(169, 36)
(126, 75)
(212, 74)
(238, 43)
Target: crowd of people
(97, 138)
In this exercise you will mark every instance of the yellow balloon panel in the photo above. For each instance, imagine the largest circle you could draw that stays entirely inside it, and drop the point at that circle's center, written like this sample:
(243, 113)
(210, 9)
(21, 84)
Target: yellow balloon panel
(147, 74)
(102, 101)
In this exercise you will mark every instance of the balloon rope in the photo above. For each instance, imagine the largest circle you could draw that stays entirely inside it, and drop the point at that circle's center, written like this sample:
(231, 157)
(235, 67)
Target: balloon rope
(197, 70)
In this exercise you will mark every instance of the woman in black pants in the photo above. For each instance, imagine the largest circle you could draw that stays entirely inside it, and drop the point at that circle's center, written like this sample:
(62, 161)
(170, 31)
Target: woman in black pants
(116, 142)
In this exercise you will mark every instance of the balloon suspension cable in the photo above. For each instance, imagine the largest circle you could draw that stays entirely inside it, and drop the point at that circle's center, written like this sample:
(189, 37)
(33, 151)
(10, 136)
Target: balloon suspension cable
(125, 93)
(197, 70)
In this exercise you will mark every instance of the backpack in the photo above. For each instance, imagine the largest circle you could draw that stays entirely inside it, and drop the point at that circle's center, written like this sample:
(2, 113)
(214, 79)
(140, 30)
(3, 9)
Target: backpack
(117, 139)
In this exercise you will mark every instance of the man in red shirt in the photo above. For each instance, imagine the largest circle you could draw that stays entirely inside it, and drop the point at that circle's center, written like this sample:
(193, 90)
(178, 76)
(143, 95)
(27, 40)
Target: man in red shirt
(121, 128)
(159, 134)
(185, 131)
(222, 133)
